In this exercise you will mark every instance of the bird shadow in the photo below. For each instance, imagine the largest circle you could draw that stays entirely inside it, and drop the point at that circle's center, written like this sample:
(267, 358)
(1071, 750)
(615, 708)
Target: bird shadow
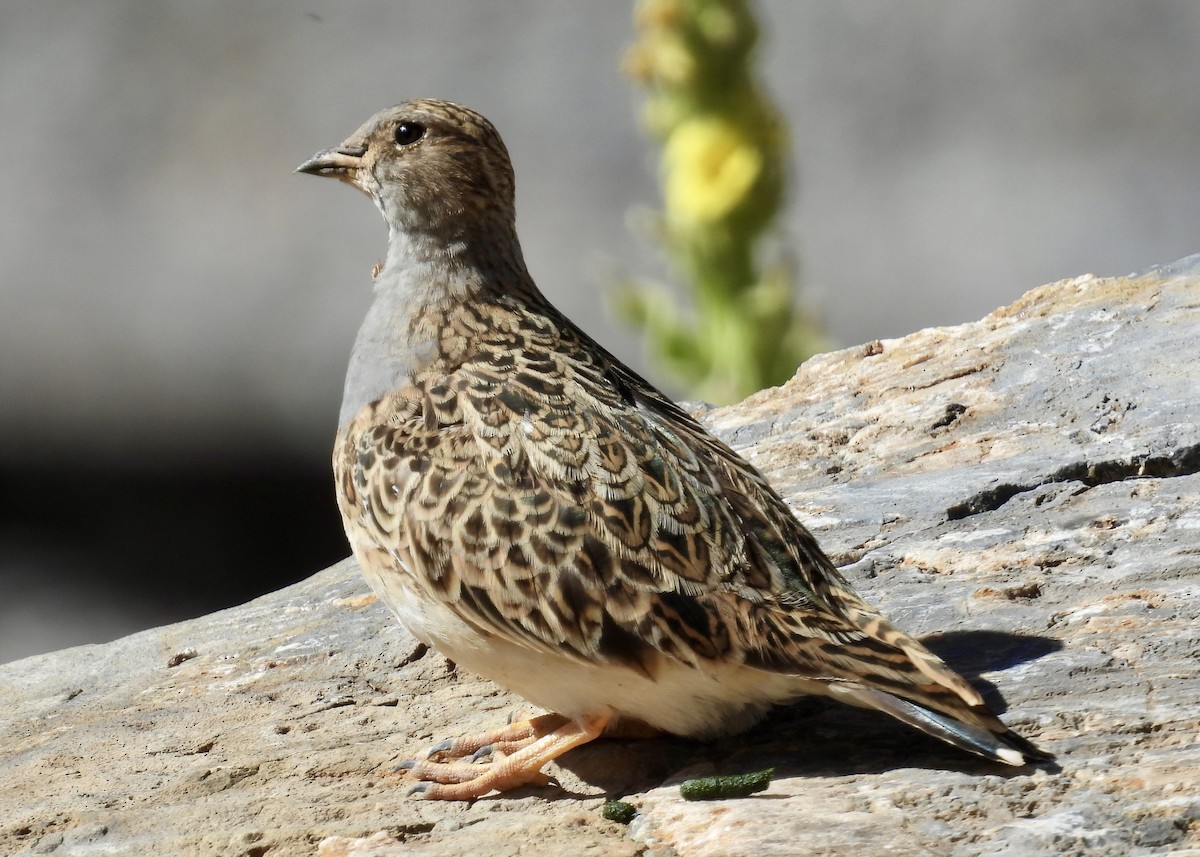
(972, 653)
(815, 736)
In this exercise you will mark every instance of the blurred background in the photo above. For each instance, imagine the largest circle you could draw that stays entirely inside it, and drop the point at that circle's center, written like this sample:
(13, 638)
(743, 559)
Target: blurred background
(176, 306)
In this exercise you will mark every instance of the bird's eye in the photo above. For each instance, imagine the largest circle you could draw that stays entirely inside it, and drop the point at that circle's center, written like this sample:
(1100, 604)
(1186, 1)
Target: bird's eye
(408, 133)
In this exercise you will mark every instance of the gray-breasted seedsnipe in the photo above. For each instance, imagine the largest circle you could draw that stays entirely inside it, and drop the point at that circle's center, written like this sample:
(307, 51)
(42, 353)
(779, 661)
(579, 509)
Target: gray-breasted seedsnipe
(538, 513)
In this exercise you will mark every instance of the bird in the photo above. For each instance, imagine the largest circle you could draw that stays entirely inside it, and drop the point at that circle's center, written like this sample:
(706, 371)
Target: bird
(534, 510)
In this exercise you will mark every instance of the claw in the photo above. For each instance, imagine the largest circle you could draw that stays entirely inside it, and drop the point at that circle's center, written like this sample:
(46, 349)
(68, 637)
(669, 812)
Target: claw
(404, 765)
(482, 753)
(439, 747)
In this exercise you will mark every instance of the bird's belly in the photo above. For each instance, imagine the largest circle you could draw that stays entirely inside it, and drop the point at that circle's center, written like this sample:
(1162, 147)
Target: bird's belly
(671, 696)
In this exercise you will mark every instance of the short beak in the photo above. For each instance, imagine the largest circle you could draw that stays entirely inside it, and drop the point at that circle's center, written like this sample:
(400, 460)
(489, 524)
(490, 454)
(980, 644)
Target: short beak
(342, 162)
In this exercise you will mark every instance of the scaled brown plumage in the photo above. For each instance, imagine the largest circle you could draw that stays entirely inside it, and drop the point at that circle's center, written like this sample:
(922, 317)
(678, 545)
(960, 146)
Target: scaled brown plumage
(539, 513)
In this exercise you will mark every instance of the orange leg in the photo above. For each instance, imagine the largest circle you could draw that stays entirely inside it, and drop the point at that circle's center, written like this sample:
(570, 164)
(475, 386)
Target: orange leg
(534, 743)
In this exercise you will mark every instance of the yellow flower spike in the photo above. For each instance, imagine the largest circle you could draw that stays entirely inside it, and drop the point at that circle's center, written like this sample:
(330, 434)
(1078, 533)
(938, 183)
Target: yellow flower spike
(723, 170)
(710, 166)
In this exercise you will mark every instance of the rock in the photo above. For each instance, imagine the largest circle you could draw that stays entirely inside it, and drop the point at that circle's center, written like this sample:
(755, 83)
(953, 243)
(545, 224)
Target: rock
(1022, 491)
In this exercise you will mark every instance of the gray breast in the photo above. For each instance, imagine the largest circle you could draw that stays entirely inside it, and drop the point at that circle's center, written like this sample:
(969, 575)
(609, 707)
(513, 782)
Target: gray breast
(385, 357)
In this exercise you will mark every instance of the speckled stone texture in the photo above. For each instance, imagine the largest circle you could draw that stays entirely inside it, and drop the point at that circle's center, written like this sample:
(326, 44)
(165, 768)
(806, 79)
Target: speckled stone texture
(1021, 491)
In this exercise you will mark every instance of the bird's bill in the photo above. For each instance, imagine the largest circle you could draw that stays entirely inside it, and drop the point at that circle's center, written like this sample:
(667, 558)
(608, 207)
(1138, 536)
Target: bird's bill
(342, 162)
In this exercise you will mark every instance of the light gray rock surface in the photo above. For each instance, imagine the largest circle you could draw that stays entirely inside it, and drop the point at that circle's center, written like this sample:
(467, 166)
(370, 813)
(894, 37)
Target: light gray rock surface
(1023, 491)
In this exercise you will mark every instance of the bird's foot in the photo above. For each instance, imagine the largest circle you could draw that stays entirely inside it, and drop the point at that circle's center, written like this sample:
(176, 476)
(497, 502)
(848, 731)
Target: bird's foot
(508, 739)
(500, 760)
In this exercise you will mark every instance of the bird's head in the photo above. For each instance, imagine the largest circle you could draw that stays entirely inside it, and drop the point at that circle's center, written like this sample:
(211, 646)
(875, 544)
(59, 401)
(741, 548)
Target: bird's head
(434, 168)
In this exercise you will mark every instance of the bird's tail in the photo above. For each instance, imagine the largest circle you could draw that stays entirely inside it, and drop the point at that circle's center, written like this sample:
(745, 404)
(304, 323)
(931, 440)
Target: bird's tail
(897, 675)
(974, 729)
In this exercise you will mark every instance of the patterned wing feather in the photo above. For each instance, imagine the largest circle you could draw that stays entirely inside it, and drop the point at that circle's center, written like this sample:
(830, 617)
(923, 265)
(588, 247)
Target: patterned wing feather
(548, 495)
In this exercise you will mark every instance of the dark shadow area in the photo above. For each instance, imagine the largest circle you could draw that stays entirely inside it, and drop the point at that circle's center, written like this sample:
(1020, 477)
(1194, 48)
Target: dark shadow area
(817, 737)
(975, 652)
(92, 551)
(970, 653)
